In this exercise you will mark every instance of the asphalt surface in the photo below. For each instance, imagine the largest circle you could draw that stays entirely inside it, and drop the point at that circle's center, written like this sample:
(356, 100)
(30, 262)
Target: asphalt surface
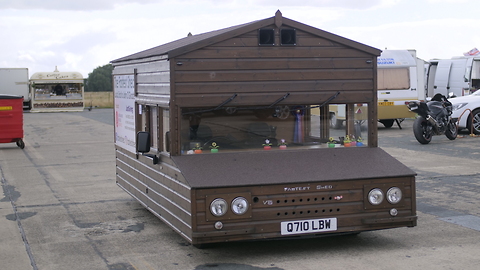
(61, 209)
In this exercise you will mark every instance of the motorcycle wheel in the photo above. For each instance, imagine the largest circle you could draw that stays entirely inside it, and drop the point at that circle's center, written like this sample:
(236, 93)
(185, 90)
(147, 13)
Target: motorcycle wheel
(422, 130)
(452, 131)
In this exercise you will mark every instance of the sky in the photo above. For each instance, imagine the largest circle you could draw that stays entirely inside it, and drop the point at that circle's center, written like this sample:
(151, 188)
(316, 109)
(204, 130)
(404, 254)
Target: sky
(82, 35)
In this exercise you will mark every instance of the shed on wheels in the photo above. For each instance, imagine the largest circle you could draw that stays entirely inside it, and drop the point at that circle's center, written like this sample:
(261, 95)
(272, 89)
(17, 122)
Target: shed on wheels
(214, 135)
(11, 120)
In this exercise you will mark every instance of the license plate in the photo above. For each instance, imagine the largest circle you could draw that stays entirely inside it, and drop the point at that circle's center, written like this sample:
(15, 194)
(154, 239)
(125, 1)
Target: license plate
(385, 103)
(309, 226)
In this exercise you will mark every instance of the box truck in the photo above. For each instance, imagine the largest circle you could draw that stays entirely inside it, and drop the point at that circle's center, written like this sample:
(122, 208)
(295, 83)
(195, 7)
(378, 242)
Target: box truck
(14, 81)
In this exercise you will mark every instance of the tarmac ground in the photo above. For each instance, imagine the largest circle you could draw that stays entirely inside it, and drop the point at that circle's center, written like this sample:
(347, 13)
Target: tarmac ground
(61, 209)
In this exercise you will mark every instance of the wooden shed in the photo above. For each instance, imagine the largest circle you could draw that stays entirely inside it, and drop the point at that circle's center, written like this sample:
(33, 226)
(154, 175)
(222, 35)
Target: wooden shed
(277, 69)
(260, 61)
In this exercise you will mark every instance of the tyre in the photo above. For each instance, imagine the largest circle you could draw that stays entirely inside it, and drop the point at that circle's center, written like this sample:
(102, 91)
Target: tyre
(422, 130)
(388, 123)
(475, 123)
(451, 131)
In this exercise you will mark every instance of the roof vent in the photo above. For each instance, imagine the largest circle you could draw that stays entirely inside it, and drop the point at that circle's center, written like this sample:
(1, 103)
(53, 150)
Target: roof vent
(266, 37)
(288, 37)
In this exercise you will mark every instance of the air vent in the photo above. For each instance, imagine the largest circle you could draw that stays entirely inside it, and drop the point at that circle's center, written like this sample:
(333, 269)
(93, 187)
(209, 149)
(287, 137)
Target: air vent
(266, 37)
(288, 37)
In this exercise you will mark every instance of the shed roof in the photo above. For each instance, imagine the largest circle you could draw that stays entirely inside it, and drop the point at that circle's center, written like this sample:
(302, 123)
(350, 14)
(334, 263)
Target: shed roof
(193, 42)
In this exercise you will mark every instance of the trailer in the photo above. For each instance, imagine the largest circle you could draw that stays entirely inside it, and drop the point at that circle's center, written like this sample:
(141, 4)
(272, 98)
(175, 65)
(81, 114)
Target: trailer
(57, 91)
(14, 81)
(214, 134)
(459, 76)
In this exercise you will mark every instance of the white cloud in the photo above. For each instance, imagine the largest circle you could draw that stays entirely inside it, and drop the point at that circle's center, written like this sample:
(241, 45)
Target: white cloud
(83, 35)
(68, 5)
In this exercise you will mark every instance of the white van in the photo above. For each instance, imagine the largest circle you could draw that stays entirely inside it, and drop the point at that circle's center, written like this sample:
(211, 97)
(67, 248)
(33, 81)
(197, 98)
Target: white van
(459, 75)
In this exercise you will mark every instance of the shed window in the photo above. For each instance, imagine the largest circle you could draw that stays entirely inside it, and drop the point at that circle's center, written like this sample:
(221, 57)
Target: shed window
(258, 128)
(152, 121)
(288, 37)
(266, 37)
(393, 79)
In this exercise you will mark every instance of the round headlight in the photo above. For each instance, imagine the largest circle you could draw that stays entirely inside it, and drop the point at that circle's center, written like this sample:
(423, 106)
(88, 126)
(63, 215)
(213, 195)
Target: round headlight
(239, 205)
(218, 207)
(394, 195)
(375, 196)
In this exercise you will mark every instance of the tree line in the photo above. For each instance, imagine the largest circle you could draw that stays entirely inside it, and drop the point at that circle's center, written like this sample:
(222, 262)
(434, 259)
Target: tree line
(100, 79)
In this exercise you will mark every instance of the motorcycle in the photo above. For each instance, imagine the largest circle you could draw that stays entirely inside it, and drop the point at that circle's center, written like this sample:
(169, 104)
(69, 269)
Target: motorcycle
(434, 118)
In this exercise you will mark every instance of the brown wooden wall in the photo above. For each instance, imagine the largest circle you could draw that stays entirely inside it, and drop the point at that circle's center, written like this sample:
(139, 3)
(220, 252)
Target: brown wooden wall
(311, 71)
(353, 211)
(161, 188)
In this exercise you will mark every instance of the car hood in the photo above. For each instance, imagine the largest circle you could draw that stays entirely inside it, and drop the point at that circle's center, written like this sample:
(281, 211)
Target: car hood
(464, 99)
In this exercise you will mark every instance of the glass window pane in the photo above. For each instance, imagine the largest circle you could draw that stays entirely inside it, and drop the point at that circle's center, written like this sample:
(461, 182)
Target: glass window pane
(251, 128)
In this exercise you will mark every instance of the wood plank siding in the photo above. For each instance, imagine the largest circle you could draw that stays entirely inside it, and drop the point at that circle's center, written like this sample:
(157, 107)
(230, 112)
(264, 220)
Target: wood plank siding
(161, 188)
(271, 204)
(239, 65)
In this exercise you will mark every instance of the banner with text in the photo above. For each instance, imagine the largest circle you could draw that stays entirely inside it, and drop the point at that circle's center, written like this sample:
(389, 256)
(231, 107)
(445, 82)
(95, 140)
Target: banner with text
(124, 88)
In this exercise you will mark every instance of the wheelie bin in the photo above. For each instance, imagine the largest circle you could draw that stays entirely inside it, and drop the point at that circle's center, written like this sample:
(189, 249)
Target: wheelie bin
(11, 119)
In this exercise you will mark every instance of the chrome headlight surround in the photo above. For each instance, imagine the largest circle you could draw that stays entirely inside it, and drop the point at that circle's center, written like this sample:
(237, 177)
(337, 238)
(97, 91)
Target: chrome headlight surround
(394, 195)
(375, 196)
(239, 205)
(218, 207)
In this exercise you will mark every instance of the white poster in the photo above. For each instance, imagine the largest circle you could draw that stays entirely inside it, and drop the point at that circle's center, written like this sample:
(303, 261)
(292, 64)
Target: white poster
(124, 88)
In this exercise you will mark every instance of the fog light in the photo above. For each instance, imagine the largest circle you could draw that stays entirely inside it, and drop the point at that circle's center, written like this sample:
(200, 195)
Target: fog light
(218, 225)
(375, 196)
(393, 212)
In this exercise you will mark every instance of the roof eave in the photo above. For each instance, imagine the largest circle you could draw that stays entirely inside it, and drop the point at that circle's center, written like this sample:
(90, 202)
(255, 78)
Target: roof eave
(215, 39)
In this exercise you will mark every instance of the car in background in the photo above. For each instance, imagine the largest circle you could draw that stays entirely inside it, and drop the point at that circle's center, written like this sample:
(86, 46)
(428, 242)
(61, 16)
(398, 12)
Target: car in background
(466, 110)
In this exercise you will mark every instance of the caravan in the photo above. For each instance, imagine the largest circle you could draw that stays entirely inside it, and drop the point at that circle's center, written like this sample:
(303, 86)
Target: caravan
(400, 79)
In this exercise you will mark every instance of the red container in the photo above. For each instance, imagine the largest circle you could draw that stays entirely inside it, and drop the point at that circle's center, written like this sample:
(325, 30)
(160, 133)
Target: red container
(11, 120)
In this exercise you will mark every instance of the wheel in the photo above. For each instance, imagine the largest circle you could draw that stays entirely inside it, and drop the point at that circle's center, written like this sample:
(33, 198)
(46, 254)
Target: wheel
(476, 122)
(21, 144)
(422, 130)
(451, 131)
(282, 112)
(388, 123)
